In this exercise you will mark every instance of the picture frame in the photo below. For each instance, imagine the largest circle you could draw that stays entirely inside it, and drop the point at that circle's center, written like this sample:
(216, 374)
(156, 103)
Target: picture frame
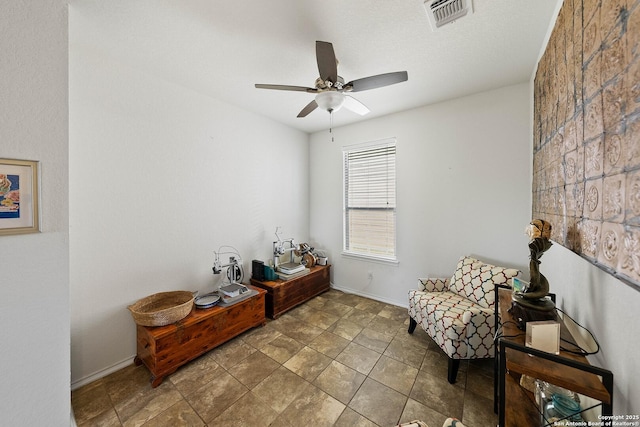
(19, 198)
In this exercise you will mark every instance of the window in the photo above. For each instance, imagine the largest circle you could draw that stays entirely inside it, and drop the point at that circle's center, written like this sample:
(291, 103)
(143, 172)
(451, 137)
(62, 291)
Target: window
(370, 199)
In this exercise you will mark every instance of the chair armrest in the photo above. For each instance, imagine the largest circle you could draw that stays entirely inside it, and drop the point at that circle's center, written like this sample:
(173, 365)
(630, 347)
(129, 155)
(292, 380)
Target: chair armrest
(433, 285)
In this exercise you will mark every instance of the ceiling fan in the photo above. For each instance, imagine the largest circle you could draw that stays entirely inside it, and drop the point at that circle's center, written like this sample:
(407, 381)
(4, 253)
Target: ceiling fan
(330, 88)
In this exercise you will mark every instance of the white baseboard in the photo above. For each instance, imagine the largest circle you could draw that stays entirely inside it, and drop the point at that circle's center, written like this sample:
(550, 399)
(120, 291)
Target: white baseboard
(102, 373)
(367, 295)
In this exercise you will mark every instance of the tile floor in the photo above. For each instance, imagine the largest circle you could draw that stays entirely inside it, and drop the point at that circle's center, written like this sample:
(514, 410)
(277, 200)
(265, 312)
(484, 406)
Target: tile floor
(337, 360)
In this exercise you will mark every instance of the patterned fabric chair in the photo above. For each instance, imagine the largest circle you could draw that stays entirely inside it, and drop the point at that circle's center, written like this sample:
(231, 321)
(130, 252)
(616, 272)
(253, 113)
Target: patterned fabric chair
(458, 312)
(413, 424)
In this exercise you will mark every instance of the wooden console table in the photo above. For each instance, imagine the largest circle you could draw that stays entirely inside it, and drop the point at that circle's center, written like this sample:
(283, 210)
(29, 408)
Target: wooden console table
(517, 406)
(284, 295)
(164, 349)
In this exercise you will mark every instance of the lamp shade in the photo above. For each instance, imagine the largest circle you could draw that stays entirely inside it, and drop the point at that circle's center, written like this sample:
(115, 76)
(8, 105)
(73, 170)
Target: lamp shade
(330, 100)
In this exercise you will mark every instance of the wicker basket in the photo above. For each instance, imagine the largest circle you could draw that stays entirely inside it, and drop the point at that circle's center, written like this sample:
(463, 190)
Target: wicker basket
(162, 308)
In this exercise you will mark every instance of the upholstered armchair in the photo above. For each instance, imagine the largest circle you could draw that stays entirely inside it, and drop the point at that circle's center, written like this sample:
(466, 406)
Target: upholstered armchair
(458, 312)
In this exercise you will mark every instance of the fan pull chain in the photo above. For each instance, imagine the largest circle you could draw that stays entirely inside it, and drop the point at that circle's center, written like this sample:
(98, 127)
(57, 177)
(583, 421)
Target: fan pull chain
(331, 125)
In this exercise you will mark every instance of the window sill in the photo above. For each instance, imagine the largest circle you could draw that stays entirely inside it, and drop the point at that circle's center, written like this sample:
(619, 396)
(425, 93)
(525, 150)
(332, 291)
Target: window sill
(379, 260)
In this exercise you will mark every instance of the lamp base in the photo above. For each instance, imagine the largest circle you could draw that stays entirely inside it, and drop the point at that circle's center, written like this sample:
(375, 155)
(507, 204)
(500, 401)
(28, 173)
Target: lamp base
(523, 310)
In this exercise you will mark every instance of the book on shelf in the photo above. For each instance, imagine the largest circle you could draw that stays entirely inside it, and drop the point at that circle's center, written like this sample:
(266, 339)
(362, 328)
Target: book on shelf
(284, 276)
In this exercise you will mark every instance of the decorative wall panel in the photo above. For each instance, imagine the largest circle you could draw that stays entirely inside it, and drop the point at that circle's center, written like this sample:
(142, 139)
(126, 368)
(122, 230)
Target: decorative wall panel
(586, 149)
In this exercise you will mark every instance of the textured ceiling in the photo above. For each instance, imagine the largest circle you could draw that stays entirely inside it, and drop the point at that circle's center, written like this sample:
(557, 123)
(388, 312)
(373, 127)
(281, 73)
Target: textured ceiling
(221, 48)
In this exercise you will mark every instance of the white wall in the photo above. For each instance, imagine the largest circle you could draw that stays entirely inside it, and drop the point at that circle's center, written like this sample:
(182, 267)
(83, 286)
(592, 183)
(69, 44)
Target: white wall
(609, 309)
(34, 288)
(161, 177)
(463, 183)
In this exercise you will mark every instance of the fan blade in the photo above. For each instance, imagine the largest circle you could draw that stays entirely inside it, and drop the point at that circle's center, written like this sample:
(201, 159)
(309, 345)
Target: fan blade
(350, 103)
(284, 87)
(380, 80)
(327, 64)
(309, 108)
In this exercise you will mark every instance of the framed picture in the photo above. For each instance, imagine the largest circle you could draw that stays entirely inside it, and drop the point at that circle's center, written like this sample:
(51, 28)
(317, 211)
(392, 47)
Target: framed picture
(18, 197)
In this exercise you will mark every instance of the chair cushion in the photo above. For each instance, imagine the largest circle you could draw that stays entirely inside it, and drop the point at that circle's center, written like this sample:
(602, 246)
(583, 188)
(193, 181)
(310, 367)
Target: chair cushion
(476, 280)
(446, 311)
(464, 268)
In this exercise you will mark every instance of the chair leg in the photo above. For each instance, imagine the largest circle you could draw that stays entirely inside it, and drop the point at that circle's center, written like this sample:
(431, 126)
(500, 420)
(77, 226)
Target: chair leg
(454, 364)
(412, 325)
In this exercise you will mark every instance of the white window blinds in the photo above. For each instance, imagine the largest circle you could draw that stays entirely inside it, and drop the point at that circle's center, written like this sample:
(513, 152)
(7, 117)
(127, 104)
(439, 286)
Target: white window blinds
(370, 199)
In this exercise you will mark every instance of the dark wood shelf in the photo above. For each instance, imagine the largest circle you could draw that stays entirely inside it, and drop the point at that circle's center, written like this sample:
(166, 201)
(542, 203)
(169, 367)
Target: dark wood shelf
(556, 373)
(567, 370)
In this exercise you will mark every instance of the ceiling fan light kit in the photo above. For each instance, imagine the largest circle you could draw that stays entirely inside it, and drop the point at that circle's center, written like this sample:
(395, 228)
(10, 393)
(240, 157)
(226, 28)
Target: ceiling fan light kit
(330, 88)
(330, 101)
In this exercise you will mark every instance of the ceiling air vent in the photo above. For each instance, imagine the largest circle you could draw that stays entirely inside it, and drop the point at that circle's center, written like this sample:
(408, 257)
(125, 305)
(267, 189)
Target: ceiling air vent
(441, 12)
